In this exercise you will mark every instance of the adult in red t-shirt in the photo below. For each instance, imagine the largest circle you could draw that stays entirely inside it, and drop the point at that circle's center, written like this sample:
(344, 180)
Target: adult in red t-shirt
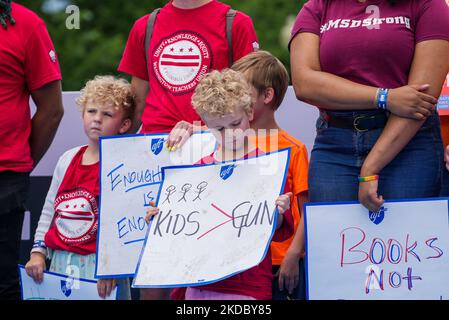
(344, 55)
(28, 67)
(188, 40)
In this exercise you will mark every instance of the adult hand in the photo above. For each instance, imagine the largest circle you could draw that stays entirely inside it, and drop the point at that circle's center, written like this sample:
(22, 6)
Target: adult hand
(36, 266)
(411, 102)
(179, 135)
(369, 197)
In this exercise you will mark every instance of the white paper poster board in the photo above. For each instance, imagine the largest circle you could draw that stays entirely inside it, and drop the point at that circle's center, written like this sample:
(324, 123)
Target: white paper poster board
(60, 287)
(214, 221)
(400, 253)
(130, 177)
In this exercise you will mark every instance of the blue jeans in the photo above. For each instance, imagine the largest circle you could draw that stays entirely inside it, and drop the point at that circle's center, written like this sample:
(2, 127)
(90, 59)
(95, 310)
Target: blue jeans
(444, 183)
(338, 155)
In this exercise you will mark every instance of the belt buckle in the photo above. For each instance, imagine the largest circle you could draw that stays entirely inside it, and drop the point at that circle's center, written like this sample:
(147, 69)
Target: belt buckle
(357, 120)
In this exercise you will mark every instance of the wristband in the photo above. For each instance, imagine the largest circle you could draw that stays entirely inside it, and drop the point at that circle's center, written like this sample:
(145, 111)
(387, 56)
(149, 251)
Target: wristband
(376, 98)
(382, 96)
(39, 244)
(368, 178)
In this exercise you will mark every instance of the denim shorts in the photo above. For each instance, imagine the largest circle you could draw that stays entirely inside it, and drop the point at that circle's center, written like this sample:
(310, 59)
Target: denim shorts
(338, 155)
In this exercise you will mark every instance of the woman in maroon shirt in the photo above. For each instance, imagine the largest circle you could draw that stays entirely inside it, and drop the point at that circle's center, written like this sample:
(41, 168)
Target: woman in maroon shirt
(374, 68)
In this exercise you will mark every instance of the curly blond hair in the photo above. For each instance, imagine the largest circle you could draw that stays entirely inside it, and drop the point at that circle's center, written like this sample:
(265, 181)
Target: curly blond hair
(220, 92)
(108, 90)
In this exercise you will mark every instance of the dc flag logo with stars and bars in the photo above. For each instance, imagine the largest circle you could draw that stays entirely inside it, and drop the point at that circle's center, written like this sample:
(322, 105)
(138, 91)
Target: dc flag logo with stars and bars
(76, 214)
(180, 60)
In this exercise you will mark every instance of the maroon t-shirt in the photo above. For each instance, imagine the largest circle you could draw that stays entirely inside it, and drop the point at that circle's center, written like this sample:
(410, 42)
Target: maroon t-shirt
(372, 43)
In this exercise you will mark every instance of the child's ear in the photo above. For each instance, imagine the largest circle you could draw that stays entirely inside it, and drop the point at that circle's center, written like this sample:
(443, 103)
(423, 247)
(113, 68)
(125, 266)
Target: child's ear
(126, 124)
(268, 95)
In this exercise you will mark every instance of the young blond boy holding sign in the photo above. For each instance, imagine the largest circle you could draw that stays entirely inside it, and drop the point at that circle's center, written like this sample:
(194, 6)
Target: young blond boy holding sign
(224, 102)
(67, 229)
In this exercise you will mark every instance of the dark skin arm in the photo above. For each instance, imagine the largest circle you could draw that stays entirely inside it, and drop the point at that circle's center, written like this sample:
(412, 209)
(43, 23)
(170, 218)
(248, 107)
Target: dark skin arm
(45, 122)
(140, 90)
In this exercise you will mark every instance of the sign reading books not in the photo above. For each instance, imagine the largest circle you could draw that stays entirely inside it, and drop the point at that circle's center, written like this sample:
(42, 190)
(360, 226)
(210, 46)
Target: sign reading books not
(401, 252)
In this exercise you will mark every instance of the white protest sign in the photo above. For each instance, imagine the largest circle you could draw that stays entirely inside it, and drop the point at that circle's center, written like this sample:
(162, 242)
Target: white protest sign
(60, 287)
(130, 177)
(214, 221)
(402, 252)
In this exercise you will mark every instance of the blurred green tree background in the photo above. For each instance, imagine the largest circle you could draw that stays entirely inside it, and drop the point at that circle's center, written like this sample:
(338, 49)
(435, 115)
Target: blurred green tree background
(97, 46)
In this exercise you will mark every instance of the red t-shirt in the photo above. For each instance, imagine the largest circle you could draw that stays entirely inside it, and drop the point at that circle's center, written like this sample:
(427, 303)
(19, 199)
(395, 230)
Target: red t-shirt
(185, 44)
(257, 281)
(27, 62)
(375, 52)
(75, 223)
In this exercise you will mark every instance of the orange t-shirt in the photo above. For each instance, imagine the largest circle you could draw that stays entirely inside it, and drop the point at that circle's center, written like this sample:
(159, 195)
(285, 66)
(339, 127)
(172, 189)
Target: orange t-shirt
(296, 179)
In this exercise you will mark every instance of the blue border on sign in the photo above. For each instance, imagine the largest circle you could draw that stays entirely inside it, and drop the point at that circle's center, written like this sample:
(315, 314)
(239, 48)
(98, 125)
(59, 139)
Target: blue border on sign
(314, 204)
(99, 198)
(201, 166)
(22, 267)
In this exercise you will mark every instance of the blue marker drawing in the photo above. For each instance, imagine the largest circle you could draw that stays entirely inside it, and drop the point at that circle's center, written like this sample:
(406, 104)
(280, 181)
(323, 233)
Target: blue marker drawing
(128, 226)
(114, 184)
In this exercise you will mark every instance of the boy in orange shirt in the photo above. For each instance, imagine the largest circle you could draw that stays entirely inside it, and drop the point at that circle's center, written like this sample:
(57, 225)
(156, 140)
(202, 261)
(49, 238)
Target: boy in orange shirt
(269, 80)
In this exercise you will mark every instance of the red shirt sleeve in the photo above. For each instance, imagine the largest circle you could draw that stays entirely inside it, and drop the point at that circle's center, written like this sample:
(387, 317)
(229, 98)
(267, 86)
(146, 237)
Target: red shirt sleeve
(41, 64)
(432, 21)
(244, 38)
(134, 60)
(308, 19)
